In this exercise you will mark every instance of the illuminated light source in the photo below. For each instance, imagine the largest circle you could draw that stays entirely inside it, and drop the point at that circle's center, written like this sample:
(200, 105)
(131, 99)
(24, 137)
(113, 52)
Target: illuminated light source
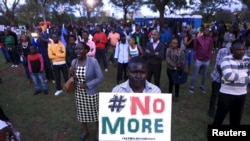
(90, 2)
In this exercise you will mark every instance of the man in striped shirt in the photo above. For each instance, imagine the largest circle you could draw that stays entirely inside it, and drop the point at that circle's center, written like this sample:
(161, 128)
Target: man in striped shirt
(137, 79)
(235, 77)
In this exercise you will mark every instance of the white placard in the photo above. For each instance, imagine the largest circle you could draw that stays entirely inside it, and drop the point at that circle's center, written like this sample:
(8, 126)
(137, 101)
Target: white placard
(135, 117)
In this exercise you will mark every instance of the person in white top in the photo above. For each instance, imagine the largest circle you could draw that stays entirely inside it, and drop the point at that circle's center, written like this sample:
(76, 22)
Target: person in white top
(121, 57)
(234, 81)
(6, 128)
(134, 49)
(127, 33)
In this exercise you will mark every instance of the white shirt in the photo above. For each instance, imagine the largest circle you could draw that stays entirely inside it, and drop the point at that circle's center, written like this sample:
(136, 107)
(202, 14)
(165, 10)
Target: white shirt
(127, 35)
(3, 124)
(155, 44)
(122, 52)
(134, 52)
(125, 88)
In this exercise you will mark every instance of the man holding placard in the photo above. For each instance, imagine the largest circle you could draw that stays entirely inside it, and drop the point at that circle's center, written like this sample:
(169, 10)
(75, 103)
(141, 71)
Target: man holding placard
(137, 79)
(140, 112)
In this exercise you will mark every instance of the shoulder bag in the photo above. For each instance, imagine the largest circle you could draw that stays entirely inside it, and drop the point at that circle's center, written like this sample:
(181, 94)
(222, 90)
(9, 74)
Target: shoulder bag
(69, 86)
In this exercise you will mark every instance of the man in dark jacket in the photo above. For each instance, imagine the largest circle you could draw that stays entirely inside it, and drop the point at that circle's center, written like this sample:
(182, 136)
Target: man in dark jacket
(154, 54)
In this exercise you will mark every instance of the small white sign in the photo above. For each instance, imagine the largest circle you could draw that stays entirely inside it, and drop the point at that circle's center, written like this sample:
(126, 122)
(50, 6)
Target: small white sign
(1, 27)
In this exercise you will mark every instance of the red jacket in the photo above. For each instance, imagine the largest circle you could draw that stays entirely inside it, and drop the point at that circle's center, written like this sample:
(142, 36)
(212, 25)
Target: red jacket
(101, 44)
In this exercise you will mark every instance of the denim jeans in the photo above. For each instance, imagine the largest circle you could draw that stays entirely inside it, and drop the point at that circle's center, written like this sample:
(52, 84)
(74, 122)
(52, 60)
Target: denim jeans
(189, 55)
(39, 81)
(25, 66)
(197, 65)
(5, 54)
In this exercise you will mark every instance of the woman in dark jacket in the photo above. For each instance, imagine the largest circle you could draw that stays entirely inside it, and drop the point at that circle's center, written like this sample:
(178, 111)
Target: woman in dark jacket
(175, 59)
(23, 51)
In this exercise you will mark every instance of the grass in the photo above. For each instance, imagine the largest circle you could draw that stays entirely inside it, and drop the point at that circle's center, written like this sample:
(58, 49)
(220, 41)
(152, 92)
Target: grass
(50, 118)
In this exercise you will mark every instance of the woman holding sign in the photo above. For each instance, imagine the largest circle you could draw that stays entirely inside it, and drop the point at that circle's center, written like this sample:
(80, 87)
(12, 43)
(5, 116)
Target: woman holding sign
(88, 75)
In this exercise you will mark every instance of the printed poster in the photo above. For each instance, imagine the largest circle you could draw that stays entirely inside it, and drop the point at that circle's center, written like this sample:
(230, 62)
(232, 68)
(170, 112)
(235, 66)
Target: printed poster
(135, 117)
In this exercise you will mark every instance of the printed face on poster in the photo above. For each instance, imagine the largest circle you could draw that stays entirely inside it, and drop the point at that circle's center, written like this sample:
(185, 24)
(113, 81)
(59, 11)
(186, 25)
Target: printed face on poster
(135, 117)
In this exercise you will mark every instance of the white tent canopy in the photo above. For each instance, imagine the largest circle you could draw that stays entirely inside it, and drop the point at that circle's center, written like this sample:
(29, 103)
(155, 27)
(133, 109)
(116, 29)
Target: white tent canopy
(197, 16)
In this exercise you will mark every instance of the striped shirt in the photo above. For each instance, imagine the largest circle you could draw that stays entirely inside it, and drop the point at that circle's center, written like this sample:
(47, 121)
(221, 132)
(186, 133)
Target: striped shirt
(125, 88)
(235, 75)
(134, 51)
(221, 53)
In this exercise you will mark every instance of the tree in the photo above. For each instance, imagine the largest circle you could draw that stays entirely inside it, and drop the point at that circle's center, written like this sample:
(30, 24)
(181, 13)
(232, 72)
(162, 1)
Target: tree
(91, 5)
(224, 15)
(80, 8)
(127, 5)
(28, 13)
(246, 3)
(8, 9)
(210, 7)
(175, 5)
(161, 4)
(52, 6)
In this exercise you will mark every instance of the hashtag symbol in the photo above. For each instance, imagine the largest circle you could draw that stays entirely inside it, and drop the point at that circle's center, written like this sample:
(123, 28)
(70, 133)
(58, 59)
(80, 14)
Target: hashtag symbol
(117, 103)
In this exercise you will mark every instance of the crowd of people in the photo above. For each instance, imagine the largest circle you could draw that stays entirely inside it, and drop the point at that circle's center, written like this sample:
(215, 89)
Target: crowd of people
(137, 52)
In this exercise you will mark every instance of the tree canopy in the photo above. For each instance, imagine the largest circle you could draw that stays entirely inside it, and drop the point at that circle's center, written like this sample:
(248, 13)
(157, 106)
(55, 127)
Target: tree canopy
(92, 5)
(246, 3)
(127, 6)
(33, 10)
(8, 9)
(160, 5)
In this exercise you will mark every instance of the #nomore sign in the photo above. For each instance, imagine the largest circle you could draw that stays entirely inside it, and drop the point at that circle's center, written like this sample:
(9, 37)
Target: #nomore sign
(135, 117)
